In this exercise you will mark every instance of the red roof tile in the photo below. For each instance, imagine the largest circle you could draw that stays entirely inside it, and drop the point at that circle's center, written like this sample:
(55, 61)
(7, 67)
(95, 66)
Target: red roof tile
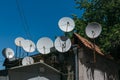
(88, 44)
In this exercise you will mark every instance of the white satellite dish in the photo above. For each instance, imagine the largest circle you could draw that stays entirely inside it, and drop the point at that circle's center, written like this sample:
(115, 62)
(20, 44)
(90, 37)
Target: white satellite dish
(66, 24)
(28, 45)
(62, 44)
(44, 45)
(18, 41)
(39, 78)
(43, 78)
(93, 30)
(8, 53)
(27, 61)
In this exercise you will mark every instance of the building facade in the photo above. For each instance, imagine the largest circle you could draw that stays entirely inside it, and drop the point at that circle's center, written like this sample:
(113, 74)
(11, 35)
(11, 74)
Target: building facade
(84, 61)
(36, 71)
(93, 64)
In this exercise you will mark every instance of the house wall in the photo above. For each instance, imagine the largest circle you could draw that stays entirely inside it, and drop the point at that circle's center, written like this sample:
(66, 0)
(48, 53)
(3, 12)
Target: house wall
(4, 78)
(33, 73)
(103, 69)
(4, 75)
(33, 76)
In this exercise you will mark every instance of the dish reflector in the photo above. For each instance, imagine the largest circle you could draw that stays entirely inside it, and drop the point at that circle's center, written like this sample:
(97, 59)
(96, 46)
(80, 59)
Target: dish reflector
(18, 41)
(39, 78)
(93, 30)
(66, 24)
(28, 45)
(8, 53)
(27, 61)
(62, 44)
(43, 78)
(44, 45)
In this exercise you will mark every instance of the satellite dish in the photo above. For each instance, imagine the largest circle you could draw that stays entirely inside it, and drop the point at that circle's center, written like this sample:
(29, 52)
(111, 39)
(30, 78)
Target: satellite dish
(27, 61)
(18, 41)
(8, 53)
(44, 45)
(93, 30)
(43, 78)
(39, 78)
(28, 45)
(62, 44)
(66, 24)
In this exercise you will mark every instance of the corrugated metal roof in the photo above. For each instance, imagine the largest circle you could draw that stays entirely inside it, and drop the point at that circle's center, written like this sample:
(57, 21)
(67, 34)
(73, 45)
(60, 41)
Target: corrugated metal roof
(89, 44)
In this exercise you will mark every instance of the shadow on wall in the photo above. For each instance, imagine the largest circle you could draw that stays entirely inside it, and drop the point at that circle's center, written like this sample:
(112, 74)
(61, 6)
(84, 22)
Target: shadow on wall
(103, 69)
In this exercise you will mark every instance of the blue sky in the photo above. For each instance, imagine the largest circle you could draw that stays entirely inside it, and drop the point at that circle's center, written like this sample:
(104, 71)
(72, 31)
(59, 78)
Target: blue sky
(42, 17)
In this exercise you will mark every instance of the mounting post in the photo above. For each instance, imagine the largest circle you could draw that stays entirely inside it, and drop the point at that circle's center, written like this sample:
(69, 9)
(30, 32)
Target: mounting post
(75, 50)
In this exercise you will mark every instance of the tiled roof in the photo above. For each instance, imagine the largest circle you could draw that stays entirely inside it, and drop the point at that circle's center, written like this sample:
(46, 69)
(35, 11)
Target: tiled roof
(88, 44)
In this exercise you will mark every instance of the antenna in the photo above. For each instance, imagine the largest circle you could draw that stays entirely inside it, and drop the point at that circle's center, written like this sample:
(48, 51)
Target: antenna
(39, 78)
(93, 30)
(18, 44)
(18, 41)
(8, 53)
(44, 44)
(27, 61)
(43, 78)
(66, 24)
(62, 44)
(28, 45)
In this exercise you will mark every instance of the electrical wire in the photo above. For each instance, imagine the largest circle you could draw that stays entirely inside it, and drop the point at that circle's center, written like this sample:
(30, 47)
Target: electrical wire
(23, 19)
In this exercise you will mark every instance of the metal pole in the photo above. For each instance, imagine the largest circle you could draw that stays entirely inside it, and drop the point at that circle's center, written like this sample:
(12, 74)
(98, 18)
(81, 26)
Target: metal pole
(76, 63)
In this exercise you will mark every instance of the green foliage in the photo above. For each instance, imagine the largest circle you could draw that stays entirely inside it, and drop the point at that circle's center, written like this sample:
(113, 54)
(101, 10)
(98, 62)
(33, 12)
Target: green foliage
(105, 12)
(80, 25)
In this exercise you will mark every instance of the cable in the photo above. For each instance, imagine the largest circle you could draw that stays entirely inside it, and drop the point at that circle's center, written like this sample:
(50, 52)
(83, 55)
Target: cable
(24, 20)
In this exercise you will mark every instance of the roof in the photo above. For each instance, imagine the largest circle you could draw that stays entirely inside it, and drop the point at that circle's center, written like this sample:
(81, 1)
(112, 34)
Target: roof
(36, 66)
(88, 44)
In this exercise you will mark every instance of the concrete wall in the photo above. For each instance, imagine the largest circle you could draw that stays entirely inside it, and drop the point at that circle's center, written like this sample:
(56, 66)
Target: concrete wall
(34, 72)
(4, 75)
(103, 69)
(4, 78)
(33, 76)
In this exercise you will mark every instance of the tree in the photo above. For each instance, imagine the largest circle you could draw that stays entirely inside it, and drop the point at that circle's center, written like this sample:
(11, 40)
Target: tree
(107, 13)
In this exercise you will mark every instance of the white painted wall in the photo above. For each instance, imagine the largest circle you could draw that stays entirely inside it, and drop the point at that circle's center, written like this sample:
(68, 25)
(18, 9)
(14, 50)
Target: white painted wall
(103, 69)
